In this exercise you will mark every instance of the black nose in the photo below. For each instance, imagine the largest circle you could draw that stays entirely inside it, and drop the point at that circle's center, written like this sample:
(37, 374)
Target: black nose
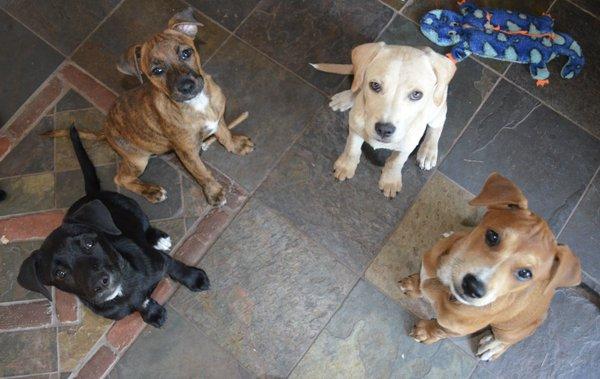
(384, 129)
(186, 86)
(473, 287)
(102, 283)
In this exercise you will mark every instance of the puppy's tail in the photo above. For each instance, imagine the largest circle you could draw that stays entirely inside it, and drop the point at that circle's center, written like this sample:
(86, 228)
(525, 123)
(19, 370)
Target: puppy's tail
(85, 134)
(92, 183)
(333, 68)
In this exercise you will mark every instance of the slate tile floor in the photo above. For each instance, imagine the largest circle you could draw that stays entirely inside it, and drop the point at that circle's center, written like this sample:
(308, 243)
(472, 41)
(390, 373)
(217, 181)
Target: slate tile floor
(304, 277)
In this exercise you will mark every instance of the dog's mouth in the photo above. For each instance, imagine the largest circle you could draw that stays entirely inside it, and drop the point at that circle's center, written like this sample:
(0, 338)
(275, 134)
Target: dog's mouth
(111, 292)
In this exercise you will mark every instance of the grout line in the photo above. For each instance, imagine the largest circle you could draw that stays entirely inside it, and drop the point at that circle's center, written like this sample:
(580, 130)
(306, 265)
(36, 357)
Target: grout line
(20, 302)
(390, 6)
(95, 29)
(385, 27)
(76, 88)
(24, 376)
(580, 8)
(585, 191)
(34, 32)
(456, 183)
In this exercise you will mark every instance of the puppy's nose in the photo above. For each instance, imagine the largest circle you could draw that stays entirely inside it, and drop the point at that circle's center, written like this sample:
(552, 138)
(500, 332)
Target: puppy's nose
(384, 129)
(186, 86)
(473, 287)
(102, 283)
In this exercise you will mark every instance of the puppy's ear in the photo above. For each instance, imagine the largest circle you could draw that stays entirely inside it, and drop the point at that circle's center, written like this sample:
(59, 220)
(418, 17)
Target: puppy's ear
(129, 63)
(29, 275)
(566, 270)
(500, 193)
(444, 71)
(185, 22)
(361, 57)
(95, 215)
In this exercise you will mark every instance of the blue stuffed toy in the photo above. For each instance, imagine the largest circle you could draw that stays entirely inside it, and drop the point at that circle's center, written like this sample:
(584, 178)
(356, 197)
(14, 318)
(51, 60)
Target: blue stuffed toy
(503, 35)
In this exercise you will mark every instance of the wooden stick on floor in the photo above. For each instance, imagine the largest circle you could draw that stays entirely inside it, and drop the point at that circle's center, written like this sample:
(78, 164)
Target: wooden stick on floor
(209, 141)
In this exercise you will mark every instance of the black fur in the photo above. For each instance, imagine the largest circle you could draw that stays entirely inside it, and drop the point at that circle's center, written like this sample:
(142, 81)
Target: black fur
(375, 156)
(106, 242)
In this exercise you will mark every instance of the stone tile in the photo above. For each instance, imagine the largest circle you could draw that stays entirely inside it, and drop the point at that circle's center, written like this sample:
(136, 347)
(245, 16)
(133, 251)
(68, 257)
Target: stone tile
(98, 94)
(25, 315)
(174, 228)
(592, 6)
(350, 218)
(296, 32)
(33, 154)
(581, 233)
(481, 372)
(368, 338)
(76, 341)
(471, 83)
(27, 194)
(70, 185)
(66, 307)
(572, 326)
(280, 107)
(25, 62)
(194, 201)
(550, 158)
(30, 226)
(147, 357)
(576, 98)
(161, 173)
(190, 222)
(134, 22)
(63, 23)
(11, 257)
(99, 151)
(272, 291)
(229, 13)
(98, 365)
(72, 101)
(28, 352)
(441, 207)
(397, 4)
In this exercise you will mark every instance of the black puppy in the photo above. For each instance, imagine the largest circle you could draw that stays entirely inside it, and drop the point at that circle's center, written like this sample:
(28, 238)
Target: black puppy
(107, 254)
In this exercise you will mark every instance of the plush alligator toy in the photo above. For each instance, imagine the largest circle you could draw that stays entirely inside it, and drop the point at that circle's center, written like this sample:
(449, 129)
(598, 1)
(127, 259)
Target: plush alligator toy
(503, 35)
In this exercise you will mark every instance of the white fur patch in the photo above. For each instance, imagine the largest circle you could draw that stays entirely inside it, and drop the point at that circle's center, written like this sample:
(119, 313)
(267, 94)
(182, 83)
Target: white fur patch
(145, 303)
(489, 347)
(211, 127)
(163, 244)
(117, 292)
(199, 103)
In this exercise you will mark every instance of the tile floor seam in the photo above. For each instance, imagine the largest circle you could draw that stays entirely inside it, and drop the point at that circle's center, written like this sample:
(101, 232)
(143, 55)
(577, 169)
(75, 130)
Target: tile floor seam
(216, 50)
(387, 5)
(57, 350)
(84, 71)
(95, 29)
(24, 376)
(36, 34)
(387, 25)
(585, 191)
(580, 7)
(456, 183)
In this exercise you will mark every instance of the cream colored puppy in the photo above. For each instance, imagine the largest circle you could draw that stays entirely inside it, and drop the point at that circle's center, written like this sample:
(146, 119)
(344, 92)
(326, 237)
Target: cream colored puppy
(396, 93)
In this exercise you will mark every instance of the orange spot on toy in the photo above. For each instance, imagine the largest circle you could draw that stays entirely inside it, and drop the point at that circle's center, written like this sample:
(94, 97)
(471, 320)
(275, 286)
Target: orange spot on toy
(542, 82)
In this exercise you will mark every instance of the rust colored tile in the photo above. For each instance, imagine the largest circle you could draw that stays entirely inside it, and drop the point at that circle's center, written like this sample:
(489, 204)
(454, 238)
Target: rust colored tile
(37, 225)
(98, 364)
(25, 315)
(87, 86)
(125, 331)
(67, 306)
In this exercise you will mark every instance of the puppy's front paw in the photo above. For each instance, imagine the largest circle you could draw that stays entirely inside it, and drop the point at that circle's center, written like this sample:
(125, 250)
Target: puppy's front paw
(427, 156)
(242, 145)
(342, 101)
(426, 331)
(215, 195)
(390, 183)
(154, 193)
(344, 168)
(490, 348)
(198, 280)
(154, 314)
(410, 286)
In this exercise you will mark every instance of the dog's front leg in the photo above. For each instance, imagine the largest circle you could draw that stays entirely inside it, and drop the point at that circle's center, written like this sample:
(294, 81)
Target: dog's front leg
(345, 166)
(193, 278)
(390, 181)
(191, 160)
(428, 151)
(234, 143)
(152, 312)
(494, 344)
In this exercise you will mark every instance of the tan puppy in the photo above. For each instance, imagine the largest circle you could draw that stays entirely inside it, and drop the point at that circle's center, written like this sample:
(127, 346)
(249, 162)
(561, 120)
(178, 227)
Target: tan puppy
(175, 110)
(396, 93)
(502, 274)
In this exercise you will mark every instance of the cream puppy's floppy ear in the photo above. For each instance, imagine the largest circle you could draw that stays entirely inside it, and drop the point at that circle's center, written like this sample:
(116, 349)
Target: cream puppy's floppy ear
(566, 270)
(185, 22)
(361, 57)
(444, 70)
(129, 63)
(500, 193)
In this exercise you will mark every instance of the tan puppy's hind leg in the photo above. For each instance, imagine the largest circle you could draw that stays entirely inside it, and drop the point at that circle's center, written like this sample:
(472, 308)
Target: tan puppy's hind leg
(345, 166)
(127, 176)
(390, 181)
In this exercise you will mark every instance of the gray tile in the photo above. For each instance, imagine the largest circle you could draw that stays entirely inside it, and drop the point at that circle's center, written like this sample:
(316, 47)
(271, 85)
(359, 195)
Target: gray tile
(33, 154)
(272, 291)
(11, 257)
(581, 233)
(229, 13)
(280, 107)
(27, 194)
(72, 101)
(350, 218)
(577, 98)
(70, 187)
(175, 228)
(547, 156)
(592, 6)
(567, 345)
(28, 352)
(25, 62)
(177, 350)
(368, 338)
(296, 32)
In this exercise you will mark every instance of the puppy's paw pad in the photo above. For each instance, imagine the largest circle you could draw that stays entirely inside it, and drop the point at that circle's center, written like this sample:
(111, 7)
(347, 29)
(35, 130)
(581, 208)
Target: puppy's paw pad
(155, 194)
(163, 244)
(410, 286)
(242, 145)
(200, 281)
(215, 195)
(157, 317)
(390, 187)
(427, 157)
(424, 332)
(344, 168)
(490, 348)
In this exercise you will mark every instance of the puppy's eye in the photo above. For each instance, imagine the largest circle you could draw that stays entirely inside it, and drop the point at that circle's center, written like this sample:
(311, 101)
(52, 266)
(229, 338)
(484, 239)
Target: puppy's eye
(88, 243)
(415, 95)
(524, 274)
(158, 71)
(491, 238)
(376, 87)
(185, 54)
(60, 274)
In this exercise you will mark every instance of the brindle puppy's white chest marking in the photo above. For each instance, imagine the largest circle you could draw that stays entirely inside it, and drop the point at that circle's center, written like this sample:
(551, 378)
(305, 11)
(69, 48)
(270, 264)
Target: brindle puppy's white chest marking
(200, 104)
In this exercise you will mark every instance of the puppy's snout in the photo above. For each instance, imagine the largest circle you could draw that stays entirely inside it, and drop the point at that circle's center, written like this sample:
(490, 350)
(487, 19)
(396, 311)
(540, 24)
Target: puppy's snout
(186, 86)
(102, 283)
(384, 129)
(473, 287)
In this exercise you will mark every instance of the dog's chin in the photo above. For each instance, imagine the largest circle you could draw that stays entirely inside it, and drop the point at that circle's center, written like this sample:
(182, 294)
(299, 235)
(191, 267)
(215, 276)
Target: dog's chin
(182, 98)
(462, 298)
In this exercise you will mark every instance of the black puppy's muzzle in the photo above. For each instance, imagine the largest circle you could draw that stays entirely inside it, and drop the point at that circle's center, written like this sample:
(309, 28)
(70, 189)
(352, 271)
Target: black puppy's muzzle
(384, 130)
(100, 282)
